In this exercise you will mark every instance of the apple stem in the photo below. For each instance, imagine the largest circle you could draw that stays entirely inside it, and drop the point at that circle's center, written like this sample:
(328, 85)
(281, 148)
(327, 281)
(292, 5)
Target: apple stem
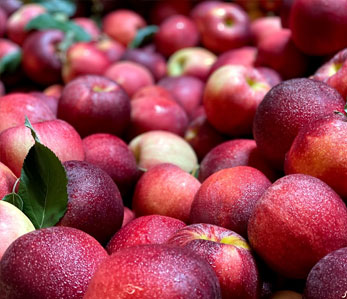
(15, 185)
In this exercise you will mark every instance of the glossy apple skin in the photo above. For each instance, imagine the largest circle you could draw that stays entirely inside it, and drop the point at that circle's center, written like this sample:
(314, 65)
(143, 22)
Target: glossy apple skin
(40, 60)
(327, 279)
(13, 224)
(307, 17)
(227, 198)
(7, 180)
(19, 19)
(167, 190)
(175, 33)
(113, 155)
(315, 224)
(156, 147)
(154, 271)
(320, 150)
(57, 135)
(224, 27)
(130, 75)
(237, 152)
(122, 25)
(55, 262)
(278, 51)
(95, 205)
(221, 248)
(151, 229)
(285, 110)
(231, 97)
(16, 106)
(95, 104)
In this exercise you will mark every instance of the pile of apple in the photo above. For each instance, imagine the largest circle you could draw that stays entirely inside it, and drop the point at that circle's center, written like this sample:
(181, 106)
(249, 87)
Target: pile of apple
(173, 149)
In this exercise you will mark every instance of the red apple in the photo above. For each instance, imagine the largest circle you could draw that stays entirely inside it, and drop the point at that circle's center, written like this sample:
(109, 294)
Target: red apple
(296, 222)
(122, 25)
(164, 9)
(89, 26)
(199, 11)
(231, 97)
(130, 75)
(154, 271)
(152, 91)
(8, 47)
(271, 76)
(57, 135)
(55, 262)
(54, 90)
(13, 224)
(49, 100)
(222, 248)
(3, 21)
(263, 27)
(7, 180)
(95, 104)
(129, 216)
(151, 229)
(10, 6)
(113, 50)
(285, 12)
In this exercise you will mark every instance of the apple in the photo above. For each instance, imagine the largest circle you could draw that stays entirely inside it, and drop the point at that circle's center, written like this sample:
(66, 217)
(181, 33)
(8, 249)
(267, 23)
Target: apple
(232, 153)
(41, 61)
(327, 279)
(224, 27)
(89, 26)
(153, 91)
(263, 27)
(131, 76)
(175, 33)
(122, 25)
(199, 11)
(151, 229)
(55, 262)
(164, 9)
(19, 19)
(231, 97)
(3, 21)
(111, 48)
(229, 255)
(15, 107)
(271, 76)
(113, 155)
(57, 135)
(129, 216)
(156, 147)
(191, 61)
(10, 6)
(329, 19)
(54, 90)
(154, 271)
(84, 58)
(95, 104)
(227, 198)
(49, 100)
(7, 47)
(297, 221)
(287, 108)
(13, 224)
(7, 180)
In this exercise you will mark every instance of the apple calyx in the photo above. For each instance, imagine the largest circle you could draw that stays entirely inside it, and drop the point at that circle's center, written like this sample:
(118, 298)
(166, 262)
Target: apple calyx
(229, 240)
(99, 88)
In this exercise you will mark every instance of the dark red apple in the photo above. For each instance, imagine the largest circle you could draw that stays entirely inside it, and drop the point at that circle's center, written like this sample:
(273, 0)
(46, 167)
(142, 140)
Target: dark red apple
(164, 9)
(2, 89)
(3, 21)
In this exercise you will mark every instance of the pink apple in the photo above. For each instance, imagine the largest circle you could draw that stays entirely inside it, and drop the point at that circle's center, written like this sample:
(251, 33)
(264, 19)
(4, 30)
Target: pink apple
(198, 12)
(49, 100)
(152, 91)
(89, 26)
(129, 215)
(7, 180)
(264, 26)
(270, 75)
(113, 50)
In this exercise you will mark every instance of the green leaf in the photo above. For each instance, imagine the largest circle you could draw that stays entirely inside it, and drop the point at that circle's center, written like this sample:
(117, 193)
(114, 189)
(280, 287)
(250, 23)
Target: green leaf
(43, 185)
(14, 199)
(27, 123)
(346, 108)
(67, 7)
(9, 63)
(143, 35)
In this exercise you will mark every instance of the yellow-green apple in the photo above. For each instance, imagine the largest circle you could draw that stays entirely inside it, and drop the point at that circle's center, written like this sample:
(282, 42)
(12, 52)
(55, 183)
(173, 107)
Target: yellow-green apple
(41, 61)
(320, 149)
(231, 97)
(94, 203)
(122, 25)
(227, 198)
(84, 58)
(229, 255)
(3, 21)
(129, 215)
(328, 278)
(19, 19)
(156, 147)
(175, 33)
(307, 17)
(154, 271)
(57, 135)
(264, 26)
(151, 229)
(131, 76)
(165, 189)
(156, 113)
(7, 180)
(162, 10)
(298, 220)
(237, 152)
(13, 224)
(287, 108)
(49, 100)
(278, 51)
(95, 104)
(55, 262)
(186, 90)
(15, 107)
(224, 27)
(152, 91)
(113, 155)
(191, 61)
(152, 60)
(89, 26)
